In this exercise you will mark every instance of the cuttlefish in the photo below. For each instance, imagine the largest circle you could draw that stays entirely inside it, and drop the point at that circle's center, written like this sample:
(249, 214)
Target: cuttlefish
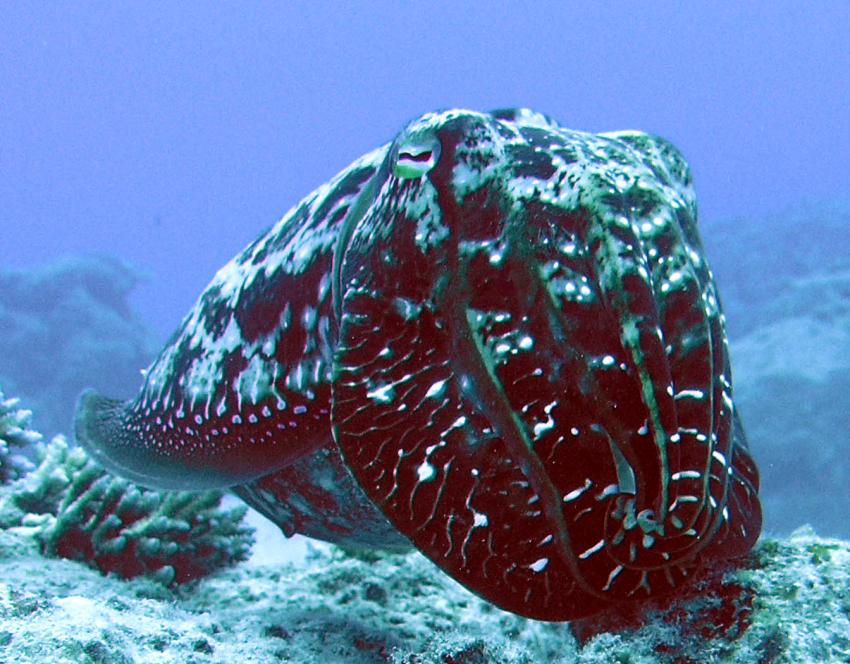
(493, 339)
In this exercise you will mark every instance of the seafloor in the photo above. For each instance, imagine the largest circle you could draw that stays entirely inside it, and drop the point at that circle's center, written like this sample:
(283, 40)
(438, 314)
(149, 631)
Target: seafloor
(790, 602)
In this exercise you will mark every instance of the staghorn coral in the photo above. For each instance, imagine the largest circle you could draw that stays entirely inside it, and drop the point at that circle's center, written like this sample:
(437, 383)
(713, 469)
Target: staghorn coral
(15, 438)
(75, 510)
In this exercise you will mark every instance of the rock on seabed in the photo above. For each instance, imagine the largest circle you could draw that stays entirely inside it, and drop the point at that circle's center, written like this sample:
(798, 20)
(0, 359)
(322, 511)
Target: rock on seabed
(789, 602)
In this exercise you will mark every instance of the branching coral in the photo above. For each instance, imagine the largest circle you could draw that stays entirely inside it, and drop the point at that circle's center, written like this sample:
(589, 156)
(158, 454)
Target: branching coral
(77, 510)
(15, 436)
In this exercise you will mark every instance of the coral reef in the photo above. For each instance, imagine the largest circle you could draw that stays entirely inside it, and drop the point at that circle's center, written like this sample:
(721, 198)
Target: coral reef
(789, 603)
(763, 265)
(75, 510)
(16, 439)
(786, 289)
(65, 327)
(790, 377)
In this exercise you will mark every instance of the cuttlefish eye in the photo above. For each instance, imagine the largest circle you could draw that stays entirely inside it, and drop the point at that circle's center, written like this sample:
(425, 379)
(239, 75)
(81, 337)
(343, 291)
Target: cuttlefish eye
(416, 156)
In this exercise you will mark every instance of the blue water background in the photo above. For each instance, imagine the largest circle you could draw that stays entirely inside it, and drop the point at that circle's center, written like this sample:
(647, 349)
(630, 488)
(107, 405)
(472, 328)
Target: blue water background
(171, 134)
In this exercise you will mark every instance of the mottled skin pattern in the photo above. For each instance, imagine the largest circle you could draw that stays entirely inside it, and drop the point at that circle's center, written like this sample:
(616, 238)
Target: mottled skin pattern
(506, 332)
